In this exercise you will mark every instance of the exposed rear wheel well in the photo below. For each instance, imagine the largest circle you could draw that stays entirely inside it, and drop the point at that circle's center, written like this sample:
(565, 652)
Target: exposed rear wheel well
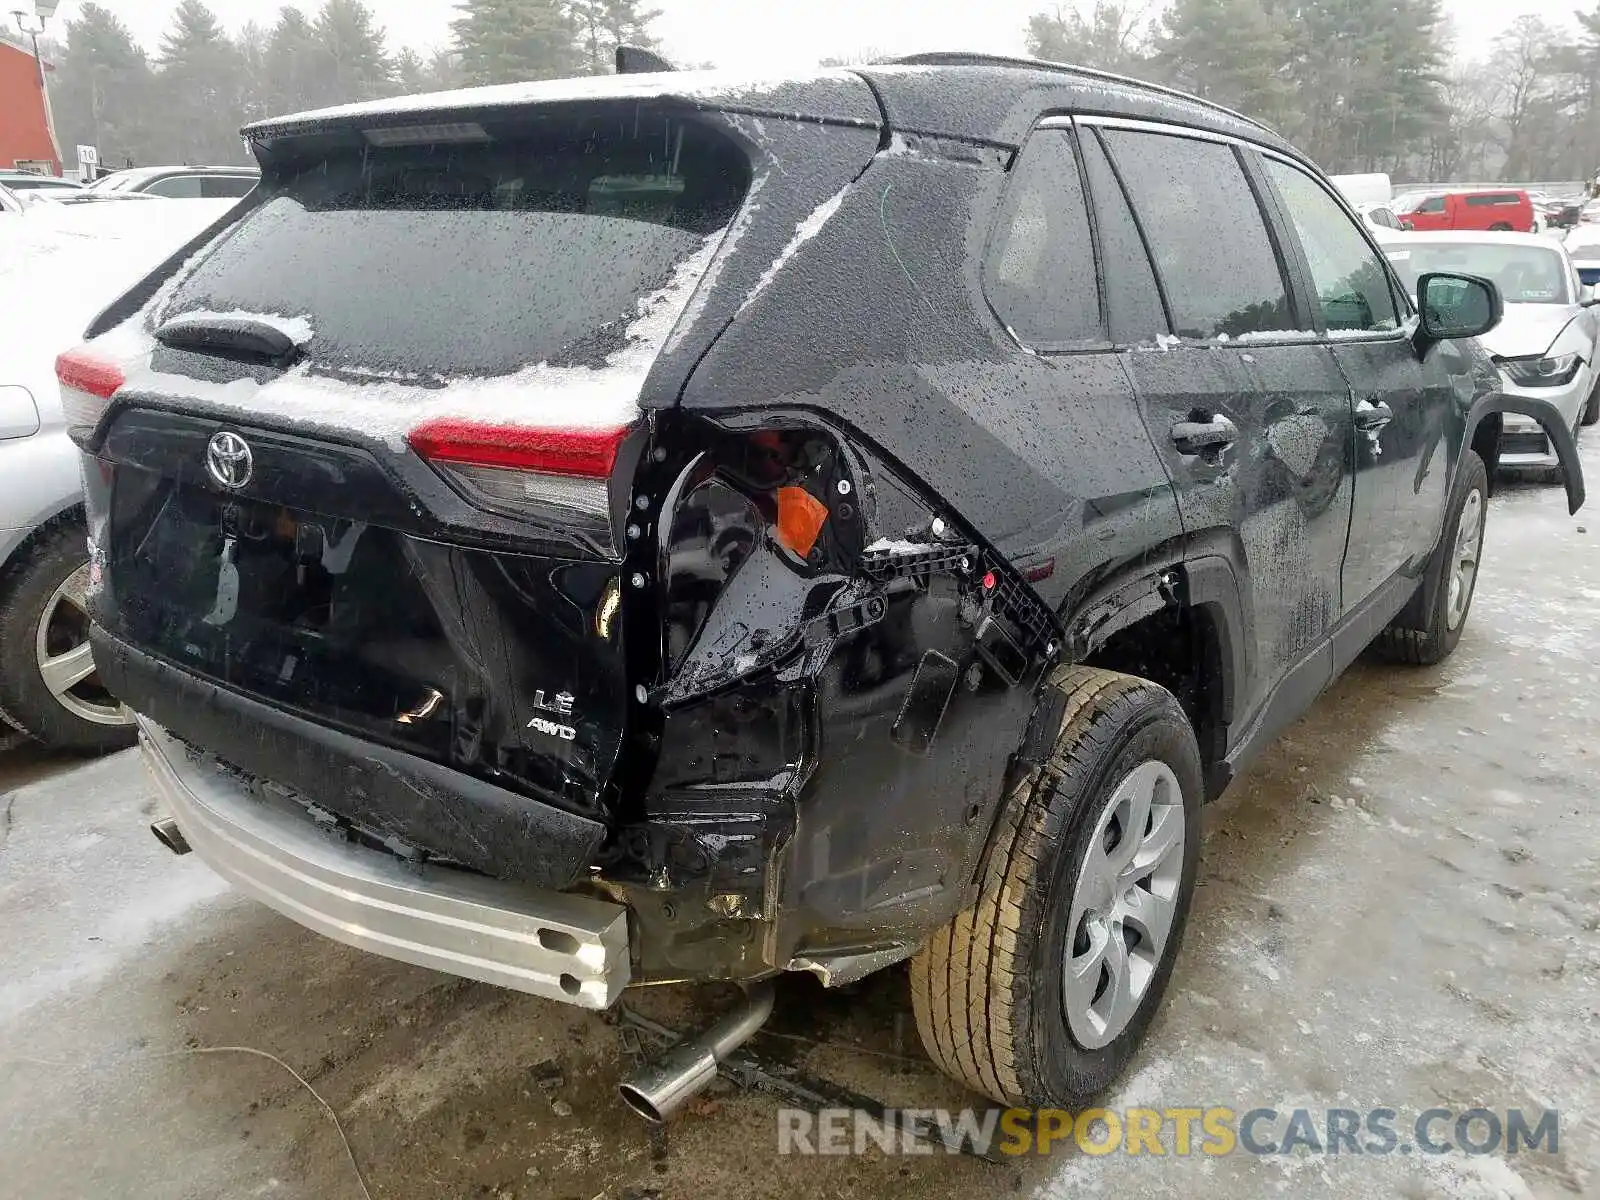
(1179, 649)
(1486, 441)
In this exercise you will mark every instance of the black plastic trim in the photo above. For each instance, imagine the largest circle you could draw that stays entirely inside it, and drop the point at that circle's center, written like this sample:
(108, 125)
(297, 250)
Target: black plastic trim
(385, 791)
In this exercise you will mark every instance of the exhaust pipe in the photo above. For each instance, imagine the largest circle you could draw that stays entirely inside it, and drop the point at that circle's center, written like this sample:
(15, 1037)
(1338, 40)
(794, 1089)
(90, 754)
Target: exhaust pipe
(660, 1089)
(169, 835)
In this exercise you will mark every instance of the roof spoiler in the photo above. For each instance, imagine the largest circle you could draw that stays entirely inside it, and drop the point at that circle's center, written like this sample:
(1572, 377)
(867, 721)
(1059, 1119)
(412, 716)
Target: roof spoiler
(635, 60)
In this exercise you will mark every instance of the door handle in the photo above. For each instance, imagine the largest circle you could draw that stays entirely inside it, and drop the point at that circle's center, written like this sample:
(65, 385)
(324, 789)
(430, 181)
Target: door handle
(1196, 437)
(1372, 417)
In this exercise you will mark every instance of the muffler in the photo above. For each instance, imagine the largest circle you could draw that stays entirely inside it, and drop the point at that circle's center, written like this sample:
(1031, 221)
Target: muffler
(169, 835)
(660, 1089)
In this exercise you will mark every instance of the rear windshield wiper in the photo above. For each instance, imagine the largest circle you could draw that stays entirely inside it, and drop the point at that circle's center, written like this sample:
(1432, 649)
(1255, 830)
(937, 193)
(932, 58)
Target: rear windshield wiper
(243, 337)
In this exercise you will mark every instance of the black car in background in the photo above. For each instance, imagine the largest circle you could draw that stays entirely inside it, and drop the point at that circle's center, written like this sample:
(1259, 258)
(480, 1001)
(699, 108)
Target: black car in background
(675, 527)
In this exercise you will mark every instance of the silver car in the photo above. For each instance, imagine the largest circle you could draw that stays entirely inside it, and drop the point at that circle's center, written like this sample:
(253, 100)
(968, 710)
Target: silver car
(58, 267)
(1546, 346)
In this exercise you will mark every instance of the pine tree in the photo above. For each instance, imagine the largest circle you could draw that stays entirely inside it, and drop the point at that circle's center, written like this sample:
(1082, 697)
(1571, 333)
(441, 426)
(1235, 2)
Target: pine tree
(290, 63)
(410, 73)
(1230, 51)
(101, 90)
(200, 85)
(504, 41)
(1110, 38)
(603, 25)
(252, 44)
(353, 63)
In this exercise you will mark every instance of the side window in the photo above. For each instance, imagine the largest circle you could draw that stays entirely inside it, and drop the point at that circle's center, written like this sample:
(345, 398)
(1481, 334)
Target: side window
(1433, 204)
(225, 187)
(1349, 276)
(1133, 301)
(1040, 274)
(1211, 246)
(177, 187)
(1385, 218)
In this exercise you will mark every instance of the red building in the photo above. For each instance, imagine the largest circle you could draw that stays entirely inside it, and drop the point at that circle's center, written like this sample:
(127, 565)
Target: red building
(25, 133)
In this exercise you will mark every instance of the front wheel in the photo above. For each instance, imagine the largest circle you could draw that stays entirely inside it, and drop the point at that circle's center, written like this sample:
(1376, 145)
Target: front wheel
(1040, 993)
(1453, 575)
(1591, 414)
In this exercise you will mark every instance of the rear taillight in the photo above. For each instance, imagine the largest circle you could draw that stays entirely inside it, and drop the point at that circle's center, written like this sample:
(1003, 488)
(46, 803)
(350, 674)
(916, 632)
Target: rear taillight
(522, 471)
(87, 384)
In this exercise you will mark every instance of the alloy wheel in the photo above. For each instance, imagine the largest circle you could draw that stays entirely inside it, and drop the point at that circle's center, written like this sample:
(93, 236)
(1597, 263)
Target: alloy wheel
(1123, 903)
(1464, 565)
(61, 648)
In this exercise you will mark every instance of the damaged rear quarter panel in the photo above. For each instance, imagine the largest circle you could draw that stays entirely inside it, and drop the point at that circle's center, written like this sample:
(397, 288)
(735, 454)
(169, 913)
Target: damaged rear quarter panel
(878, 325)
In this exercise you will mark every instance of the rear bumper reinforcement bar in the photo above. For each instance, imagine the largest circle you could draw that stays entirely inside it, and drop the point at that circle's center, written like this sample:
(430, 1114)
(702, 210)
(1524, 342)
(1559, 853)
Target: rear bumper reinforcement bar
(551, 944)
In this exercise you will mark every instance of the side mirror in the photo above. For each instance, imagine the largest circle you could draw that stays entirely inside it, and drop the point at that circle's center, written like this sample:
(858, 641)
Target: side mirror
(1457, 306)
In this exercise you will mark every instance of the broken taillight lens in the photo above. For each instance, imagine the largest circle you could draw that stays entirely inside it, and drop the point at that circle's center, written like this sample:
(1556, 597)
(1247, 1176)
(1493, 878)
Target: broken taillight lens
(88, 382)
(522, 471)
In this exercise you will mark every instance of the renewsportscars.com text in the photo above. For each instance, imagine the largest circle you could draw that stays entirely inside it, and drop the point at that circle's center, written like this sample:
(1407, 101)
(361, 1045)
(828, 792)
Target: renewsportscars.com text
(1181, 1132)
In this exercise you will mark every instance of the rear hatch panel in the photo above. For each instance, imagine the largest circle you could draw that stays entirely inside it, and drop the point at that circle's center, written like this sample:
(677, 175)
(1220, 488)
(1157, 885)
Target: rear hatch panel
(350, 585)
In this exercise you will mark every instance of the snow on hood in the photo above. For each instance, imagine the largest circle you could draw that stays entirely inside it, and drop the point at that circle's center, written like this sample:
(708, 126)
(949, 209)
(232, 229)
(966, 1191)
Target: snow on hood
(380, 404)
(61, 264)
(1527, 329)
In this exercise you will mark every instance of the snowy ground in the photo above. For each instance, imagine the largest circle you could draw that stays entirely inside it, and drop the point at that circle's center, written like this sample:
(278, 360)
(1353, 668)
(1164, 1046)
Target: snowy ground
(1400, 907)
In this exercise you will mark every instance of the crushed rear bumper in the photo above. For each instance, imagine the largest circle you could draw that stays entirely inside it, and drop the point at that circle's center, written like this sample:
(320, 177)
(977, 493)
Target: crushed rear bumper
(551, 944)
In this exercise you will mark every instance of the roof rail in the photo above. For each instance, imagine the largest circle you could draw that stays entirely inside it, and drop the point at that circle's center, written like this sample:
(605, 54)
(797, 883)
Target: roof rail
(962, 58)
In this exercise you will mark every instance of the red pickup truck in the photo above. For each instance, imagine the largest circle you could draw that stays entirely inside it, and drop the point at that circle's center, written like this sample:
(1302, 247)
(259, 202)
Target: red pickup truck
(1504, 209)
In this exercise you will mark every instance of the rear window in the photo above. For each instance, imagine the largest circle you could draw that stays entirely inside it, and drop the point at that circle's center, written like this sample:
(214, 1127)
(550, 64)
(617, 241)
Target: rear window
(482, 254)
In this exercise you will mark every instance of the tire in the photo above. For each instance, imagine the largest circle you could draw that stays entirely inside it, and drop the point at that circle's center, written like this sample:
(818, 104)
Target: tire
(1500, 227)
(1442, 629)
(32, 586)
(989, 988)
(1591, 414)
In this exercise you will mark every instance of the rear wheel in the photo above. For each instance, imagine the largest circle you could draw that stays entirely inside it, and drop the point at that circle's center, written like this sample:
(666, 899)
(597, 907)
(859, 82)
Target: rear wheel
(48, 685)
(1041, 992)
(1453, 575)
(1500, 227)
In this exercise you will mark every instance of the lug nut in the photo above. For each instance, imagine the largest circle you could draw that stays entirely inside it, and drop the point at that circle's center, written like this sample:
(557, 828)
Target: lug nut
(844, 487)
(637, 580)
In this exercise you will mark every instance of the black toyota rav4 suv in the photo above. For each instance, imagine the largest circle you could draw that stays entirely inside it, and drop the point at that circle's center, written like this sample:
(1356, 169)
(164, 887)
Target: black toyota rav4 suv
(680, 527)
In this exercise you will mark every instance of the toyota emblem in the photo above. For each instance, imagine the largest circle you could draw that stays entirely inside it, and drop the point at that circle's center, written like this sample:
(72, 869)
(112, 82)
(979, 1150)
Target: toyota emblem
(228, 460)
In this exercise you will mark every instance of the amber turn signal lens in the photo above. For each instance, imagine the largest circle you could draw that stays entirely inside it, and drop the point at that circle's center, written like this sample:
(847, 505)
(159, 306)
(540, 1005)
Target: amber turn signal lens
(800, 519)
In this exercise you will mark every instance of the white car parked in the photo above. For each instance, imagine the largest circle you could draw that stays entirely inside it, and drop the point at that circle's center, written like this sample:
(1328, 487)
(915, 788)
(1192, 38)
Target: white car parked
(1548, 344)
(59, 266)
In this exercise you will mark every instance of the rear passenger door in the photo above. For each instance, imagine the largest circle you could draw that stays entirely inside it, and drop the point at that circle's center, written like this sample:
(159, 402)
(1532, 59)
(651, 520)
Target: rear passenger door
(1243, 399)
(1403, 402)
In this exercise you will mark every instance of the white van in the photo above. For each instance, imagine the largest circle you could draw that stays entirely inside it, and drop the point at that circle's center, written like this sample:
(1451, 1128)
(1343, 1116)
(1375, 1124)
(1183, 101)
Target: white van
(1364, 189)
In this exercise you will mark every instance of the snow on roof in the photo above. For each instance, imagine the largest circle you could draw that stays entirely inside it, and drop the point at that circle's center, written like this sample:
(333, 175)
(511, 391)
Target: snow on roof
(664, 85)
